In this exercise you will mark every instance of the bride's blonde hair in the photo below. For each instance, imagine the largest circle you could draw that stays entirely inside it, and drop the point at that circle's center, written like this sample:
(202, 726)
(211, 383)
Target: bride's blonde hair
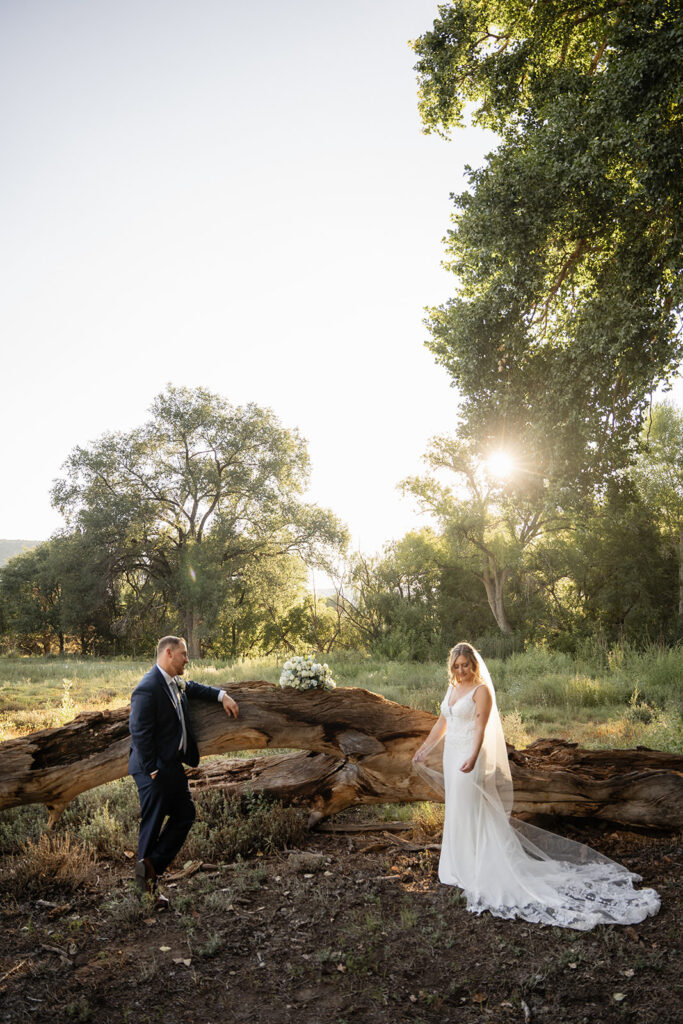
(470, 653)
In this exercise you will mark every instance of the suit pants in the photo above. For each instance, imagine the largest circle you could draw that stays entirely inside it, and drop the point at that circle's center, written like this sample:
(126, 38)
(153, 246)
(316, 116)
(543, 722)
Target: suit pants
(167, 794)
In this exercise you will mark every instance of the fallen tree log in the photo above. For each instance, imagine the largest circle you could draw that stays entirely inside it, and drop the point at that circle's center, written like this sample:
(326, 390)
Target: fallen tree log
(634, 787)
(357, 750)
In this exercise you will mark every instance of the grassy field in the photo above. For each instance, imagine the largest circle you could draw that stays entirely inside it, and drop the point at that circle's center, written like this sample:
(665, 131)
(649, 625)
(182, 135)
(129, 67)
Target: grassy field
(630, 698)
(313, 926)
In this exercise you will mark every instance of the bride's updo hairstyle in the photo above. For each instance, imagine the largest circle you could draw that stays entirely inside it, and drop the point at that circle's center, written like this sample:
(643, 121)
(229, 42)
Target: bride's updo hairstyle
(469, 652)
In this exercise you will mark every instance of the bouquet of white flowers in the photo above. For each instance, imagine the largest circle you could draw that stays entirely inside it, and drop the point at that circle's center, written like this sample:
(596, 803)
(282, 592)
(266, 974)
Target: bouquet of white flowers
(306, 674)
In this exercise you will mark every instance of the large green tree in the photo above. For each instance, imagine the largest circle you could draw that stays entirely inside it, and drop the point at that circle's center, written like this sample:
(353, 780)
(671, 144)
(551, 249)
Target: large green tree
(489, 524)
(392, 602)
(567, 244)
(256, 605)
(31, 593)
(193, 499)
(610, 575)
(659, 475)
(57, 589)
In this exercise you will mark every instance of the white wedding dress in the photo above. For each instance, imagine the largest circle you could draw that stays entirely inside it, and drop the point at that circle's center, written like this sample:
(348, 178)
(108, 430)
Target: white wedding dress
(511, 868)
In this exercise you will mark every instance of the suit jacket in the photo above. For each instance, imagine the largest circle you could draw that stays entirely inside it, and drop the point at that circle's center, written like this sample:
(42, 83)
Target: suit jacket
(155, 729)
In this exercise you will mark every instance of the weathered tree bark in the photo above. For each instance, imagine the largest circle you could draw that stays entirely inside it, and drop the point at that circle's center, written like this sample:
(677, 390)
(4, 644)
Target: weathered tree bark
(636, 787)
(358, 749)
(494, 579)
(192, 634)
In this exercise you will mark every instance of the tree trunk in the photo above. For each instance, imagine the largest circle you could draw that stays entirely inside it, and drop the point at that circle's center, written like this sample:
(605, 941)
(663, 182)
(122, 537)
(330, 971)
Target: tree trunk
(192, 634)
(494, 582)
(358, 749)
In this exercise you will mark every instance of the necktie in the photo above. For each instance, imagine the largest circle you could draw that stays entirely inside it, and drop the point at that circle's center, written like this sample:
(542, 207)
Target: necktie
(181, 716)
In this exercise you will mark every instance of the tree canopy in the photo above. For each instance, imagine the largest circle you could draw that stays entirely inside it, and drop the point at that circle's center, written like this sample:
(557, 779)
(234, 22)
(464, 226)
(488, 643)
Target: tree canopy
(488, 522)
(190, 502)
(659, 475)
(567, 244)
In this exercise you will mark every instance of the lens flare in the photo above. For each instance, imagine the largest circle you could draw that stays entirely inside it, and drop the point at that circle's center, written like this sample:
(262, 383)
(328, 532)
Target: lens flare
(192, 574)
(500, 464)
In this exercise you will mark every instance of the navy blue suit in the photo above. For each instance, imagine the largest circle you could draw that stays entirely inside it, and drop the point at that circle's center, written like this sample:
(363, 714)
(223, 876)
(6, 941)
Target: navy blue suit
(156, 734)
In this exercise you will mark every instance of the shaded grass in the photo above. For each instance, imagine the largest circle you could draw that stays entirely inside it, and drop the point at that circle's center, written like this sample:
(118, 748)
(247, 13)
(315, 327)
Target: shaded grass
(228, 827)
(104, 819)
(104, 822)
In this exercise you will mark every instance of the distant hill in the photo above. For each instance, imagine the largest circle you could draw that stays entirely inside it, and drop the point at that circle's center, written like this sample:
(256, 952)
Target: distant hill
(10, 548)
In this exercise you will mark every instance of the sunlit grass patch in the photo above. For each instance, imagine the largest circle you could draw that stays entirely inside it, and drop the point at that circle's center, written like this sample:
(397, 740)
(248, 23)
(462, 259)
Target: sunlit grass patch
(43, 693)
(514, 730)
(396, 812)
(553, 693)
(428, 819)
(642, 724)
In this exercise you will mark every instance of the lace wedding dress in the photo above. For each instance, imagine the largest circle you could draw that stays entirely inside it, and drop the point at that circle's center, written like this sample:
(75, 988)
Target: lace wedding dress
(511, 868)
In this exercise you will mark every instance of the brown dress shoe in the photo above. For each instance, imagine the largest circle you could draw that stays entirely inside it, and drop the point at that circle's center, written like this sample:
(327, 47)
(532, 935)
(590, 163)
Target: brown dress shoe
(145, 876)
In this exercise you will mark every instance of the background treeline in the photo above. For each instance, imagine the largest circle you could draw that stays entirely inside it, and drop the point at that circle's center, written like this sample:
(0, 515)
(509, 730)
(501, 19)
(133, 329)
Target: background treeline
(555, 511)
(194, 523)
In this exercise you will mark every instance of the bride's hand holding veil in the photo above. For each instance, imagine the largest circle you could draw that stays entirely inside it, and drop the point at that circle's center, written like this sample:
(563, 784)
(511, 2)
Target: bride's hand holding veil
(438, 729)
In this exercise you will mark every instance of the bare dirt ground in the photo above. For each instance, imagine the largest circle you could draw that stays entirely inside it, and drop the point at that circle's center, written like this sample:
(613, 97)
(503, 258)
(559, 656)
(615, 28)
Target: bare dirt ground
(346, 929)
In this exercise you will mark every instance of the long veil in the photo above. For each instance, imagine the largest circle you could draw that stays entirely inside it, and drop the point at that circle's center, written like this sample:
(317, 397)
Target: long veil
(497, 791)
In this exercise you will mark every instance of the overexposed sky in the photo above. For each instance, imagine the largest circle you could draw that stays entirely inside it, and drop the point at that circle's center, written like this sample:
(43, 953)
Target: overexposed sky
(228, 195)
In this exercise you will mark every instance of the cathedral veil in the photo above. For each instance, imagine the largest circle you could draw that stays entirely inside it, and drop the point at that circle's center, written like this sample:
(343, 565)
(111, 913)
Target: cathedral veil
(539, 855)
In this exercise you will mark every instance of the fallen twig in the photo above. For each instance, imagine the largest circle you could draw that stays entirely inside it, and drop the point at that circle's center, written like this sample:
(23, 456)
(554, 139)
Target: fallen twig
(366, 826)
(13, 970)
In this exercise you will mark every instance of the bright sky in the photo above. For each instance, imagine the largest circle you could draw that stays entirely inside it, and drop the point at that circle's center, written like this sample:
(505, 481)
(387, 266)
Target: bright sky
(231, 195)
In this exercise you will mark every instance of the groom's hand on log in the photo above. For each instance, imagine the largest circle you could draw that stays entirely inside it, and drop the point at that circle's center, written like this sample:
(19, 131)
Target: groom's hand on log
(230, 707)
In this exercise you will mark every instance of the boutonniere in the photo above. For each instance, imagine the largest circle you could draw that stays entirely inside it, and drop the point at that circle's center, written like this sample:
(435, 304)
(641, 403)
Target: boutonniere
(181, 684)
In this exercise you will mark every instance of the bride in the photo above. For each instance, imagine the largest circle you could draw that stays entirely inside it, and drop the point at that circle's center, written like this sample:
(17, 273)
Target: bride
(503, 865)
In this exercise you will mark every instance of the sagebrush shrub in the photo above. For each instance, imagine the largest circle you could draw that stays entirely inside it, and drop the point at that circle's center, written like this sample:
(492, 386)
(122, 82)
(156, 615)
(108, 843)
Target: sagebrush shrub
(53, 864)
(103, 833)
(19, 824)
(228, 827)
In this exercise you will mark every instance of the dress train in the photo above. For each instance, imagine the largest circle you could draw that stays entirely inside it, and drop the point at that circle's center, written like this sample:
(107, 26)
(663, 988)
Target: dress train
(513, 869)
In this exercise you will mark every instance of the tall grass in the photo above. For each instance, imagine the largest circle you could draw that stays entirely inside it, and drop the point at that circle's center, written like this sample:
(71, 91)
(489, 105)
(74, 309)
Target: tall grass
(600, 697)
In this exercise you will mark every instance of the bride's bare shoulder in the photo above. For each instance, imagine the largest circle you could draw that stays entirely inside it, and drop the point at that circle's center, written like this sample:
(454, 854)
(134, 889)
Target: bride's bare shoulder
(481, 695)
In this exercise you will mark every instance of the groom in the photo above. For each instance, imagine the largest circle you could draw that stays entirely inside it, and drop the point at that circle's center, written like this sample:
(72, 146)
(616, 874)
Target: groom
(161, 740)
